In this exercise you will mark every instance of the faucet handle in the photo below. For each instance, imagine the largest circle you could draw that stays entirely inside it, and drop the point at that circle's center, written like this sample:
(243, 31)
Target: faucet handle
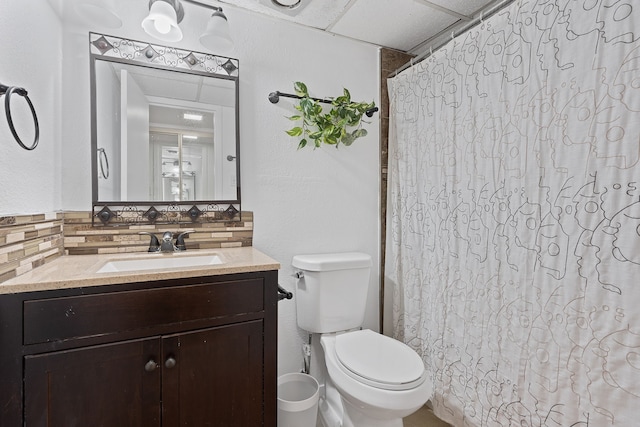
(180, 245)
(154, 244)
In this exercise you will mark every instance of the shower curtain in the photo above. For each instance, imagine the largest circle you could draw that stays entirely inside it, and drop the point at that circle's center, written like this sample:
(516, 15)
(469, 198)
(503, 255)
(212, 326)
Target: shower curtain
(513, 246)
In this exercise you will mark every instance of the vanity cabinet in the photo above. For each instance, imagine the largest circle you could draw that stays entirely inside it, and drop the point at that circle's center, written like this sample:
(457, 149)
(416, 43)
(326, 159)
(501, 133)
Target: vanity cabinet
(98, 386)
(184, 352)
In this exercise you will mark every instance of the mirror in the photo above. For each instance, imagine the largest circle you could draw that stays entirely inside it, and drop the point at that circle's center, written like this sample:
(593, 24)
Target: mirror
(164, 132)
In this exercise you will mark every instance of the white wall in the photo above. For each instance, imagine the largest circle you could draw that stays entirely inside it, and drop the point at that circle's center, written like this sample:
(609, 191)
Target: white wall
(308, 200)
(30, 57)
(304, 201)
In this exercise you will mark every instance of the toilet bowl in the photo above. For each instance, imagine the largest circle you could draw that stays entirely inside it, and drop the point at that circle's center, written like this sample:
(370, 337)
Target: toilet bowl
(380, 380)
(369, 380)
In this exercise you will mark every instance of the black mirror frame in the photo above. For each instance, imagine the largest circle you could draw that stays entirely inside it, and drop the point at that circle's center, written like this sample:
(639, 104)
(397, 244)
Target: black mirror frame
(115, 49)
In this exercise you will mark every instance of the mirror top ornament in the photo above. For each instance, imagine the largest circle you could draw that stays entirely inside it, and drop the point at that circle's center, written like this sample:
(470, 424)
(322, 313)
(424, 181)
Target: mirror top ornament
(157, 172)
(148, 54)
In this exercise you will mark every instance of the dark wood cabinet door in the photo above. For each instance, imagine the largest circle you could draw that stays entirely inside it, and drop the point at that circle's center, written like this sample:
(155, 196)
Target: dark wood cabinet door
(214, 377)
(107, 385)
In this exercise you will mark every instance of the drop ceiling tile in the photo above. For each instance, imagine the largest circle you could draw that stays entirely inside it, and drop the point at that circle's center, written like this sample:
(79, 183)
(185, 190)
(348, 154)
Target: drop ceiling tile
(317, 14)
(399, 24)
(321, 14)
(464, 7)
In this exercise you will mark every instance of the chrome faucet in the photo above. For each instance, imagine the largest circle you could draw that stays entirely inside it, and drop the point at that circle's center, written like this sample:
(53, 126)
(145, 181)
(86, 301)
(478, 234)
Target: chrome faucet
(180, 245)
(166, 245)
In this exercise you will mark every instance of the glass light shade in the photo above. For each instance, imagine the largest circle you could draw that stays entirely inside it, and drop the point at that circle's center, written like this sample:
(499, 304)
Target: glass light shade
(217, 36)
(162, 22)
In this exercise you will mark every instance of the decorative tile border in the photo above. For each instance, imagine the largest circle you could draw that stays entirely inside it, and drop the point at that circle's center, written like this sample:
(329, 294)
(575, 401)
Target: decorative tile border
(81, 238)
(170, 57)
(117, 214)
(28, 241)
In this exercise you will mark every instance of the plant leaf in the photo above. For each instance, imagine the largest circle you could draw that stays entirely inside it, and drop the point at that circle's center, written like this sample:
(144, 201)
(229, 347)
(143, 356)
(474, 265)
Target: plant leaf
(330, 139)
(358, 133)
(302, 144)
(347, 139)
(294, 118)
(306, 106)
(301, 89)
(347, 94)
(296, 131)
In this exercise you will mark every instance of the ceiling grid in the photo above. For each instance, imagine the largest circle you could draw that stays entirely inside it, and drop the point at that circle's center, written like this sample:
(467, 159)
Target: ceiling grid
(411, 26)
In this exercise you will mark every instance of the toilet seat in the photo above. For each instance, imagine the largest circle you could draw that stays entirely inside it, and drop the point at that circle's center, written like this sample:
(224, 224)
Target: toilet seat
(379, 361)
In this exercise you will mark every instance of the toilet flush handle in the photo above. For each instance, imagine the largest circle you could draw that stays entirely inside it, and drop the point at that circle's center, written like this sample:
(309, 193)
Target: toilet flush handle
(298, 274)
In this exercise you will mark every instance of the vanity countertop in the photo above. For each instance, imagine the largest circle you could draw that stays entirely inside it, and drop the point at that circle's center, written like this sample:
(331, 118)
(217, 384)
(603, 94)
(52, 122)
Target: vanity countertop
(74, 271)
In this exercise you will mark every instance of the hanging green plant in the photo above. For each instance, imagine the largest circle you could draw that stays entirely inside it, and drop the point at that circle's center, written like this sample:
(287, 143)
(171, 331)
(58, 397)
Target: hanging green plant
(341, 124)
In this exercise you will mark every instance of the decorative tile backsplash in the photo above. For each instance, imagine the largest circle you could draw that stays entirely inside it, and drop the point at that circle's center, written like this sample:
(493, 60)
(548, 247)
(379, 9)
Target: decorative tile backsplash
(81, 238)
(28, 241)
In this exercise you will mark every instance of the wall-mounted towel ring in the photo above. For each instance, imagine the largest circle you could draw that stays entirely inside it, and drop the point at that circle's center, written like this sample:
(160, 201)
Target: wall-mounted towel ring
(103, 162)
(8, 91)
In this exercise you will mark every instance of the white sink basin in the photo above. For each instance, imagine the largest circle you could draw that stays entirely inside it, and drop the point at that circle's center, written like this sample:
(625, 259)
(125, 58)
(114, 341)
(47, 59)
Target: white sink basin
(160, 262)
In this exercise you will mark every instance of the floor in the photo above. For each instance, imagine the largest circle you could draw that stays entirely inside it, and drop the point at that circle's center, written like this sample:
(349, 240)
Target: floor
(424, 418)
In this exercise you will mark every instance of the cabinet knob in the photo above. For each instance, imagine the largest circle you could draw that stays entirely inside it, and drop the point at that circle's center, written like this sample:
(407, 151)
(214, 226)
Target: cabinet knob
(170, 362)
(150, 366)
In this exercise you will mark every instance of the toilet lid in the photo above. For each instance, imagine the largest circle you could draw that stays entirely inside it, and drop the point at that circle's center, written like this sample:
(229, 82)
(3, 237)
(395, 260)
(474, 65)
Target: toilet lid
(379, 361)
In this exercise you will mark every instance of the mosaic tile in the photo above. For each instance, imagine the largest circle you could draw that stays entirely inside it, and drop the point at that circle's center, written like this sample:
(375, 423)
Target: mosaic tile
(29, 241)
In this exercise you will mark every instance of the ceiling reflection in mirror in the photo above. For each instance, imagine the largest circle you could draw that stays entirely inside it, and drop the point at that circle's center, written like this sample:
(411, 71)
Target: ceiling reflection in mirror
(165, 121)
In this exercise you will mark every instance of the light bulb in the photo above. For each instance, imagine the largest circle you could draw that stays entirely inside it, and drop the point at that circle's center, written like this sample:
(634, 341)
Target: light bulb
(163, 26)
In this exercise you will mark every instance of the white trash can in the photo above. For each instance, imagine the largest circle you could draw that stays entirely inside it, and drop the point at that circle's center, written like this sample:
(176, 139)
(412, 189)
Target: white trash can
(298, 396)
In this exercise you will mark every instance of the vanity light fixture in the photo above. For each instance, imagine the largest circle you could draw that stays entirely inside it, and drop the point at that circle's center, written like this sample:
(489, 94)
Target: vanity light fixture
(192, 116)
(165, 16)
(163, 19)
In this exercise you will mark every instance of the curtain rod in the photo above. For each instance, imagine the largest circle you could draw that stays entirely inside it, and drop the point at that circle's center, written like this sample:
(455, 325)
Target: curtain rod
(475, 21)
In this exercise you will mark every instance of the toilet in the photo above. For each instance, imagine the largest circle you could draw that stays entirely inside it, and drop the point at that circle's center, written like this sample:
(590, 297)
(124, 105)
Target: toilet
(369, 380)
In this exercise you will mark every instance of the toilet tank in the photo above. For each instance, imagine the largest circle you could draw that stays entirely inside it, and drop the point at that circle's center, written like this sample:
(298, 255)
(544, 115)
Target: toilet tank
(331, 295)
